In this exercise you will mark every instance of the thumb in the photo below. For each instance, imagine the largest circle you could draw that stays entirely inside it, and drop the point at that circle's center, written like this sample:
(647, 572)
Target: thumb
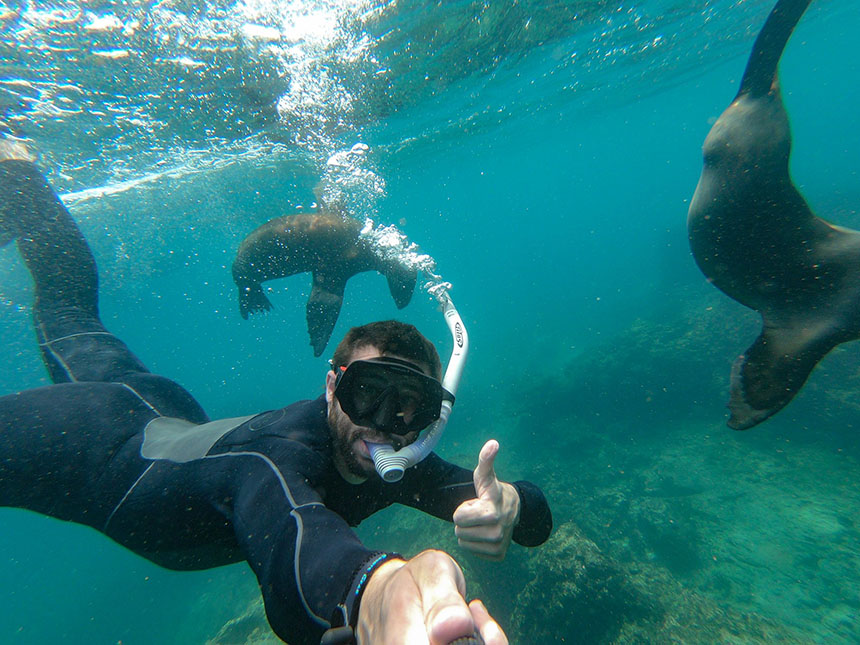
(485, 475)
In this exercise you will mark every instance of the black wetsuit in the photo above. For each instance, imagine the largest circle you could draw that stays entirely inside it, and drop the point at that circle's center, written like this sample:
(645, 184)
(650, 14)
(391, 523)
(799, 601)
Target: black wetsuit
(262, 489)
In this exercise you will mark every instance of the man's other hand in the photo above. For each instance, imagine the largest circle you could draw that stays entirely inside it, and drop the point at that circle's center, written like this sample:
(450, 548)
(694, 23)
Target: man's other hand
(484, 525)
(421, 602)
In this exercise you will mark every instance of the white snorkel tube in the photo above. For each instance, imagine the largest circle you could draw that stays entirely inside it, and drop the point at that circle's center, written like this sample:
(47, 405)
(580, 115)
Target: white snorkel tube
(390, 464)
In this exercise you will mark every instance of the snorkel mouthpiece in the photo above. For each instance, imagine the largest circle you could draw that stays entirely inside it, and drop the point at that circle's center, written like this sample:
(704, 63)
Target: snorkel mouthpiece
(390, 464)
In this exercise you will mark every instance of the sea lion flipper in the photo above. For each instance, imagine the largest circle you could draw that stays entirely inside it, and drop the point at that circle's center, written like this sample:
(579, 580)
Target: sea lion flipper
(401, 283)
(252, 300)
(323, 309)
(761, 71)
(767, 376)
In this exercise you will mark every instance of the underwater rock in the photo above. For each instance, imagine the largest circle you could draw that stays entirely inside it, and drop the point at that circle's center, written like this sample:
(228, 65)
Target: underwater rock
(654, 372)
(670, 367)
(575, 588)
(579, 594)
(650, 557)
(247, 628)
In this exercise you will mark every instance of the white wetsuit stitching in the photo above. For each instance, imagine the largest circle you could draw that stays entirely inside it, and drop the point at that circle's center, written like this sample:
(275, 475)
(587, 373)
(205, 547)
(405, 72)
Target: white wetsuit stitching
(83, 333)
(124, 497)
(300, 526)
(139, 396)
(137, 481)
(59, 359)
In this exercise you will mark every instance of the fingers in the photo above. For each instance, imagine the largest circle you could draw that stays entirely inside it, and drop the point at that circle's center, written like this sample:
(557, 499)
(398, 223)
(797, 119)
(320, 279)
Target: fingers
(488, 628)
(478, 529)
(483, 525)
(486, 528)
(421, 602)
(486, 483)
(490, 550)
(485, 534)
(446, 615)
(476, 512)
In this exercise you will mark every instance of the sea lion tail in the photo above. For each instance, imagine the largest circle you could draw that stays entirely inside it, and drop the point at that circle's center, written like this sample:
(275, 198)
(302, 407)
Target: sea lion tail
(760, 74)
(252, 300)
(767, 376)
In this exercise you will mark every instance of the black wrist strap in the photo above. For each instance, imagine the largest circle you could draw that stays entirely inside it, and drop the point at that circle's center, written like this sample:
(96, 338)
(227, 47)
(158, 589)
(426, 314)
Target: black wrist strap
(338, 636)
(345, 617)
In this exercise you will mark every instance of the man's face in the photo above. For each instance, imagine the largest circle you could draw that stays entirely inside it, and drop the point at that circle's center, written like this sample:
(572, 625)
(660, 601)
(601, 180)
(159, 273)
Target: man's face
(349, 441)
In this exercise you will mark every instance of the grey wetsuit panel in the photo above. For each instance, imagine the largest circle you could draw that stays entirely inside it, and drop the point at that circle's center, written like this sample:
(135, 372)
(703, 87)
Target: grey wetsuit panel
(181, 441)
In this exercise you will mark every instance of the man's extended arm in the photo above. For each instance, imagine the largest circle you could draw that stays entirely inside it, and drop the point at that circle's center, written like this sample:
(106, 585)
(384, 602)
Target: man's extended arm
(306, 558)
(315, 574)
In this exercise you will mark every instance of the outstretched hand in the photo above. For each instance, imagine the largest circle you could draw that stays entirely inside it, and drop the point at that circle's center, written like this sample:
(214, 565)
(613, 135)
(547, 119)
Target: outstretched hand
(484, 525)
(421, 602)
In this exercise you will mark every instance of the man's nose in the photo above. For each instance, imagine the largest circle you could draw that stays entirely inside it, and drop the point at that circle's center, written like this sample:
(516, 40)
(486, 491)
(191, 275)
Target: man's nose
(385, 415)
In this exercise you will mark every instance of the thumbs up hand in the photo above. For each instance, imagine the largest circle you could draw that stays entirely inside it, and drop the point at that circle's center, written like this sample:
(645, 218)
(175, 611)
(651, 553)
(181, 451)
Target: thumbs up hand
(484, 525)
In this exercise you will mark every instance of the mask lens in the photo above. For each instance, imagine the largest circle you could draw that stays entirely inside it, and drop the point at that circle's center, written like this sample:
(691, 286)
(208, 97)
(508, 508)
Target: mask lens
(388, 394)
(367, 390)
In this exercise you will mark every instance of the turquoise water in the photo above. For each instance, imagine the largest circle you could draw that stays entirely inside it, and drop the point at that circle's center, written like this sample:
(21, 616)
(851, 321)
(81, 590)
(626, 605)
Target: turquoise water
(544, 155)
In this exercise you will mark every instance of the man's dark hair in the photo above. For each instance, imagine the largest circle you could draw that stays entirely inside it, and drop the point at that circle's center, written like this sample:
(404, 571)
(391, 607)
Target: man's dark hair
(390, 337)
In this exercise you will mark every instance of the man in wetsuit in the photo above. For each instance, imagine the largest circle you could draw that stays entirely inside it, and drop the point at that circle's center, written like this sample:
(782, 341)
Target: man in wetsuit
(133, 455)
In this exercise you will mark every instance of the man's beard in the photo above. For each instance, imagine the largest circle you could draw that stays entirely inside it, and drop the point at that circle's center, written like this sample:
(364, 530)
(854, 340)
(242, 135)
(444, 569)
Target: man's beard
(343, 434)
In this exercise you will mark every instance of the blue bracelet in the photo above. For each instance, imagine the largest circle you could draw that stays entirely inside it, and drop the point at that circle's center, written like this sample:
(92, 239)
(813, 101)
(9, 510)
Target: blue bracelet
(367, 571)
(347, 610)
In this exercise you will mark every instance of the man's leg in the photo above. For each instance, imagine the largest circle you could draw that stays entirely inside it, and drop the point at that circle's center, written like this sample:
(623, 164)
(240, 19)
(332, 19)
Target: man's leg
(75, 345)
(70, 450)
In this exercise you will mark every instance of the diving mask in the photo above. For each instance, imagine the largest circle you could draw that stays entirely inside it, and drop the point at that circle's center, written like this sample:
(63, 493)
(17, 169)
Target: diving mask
(389, 394)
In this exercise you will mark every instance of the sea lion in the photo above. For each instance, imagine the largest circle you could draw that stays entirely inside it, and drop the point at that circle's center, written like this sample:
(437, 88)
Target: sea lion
(755, 238)
(326, 244)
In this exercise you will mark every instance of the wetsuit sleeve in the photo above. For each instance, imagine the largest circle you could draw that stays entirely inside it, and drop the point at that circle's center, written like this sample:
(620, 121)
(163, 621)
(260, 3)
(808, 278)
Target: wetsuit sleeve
(305, 556)
(438, 487)
(535, 523)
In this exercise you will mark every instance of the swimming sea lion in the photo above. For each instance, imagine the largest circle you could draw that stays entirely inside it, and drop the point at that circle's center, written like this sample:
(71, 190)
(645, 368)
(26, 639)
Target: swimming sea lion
(324, 243)
(754, 236)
